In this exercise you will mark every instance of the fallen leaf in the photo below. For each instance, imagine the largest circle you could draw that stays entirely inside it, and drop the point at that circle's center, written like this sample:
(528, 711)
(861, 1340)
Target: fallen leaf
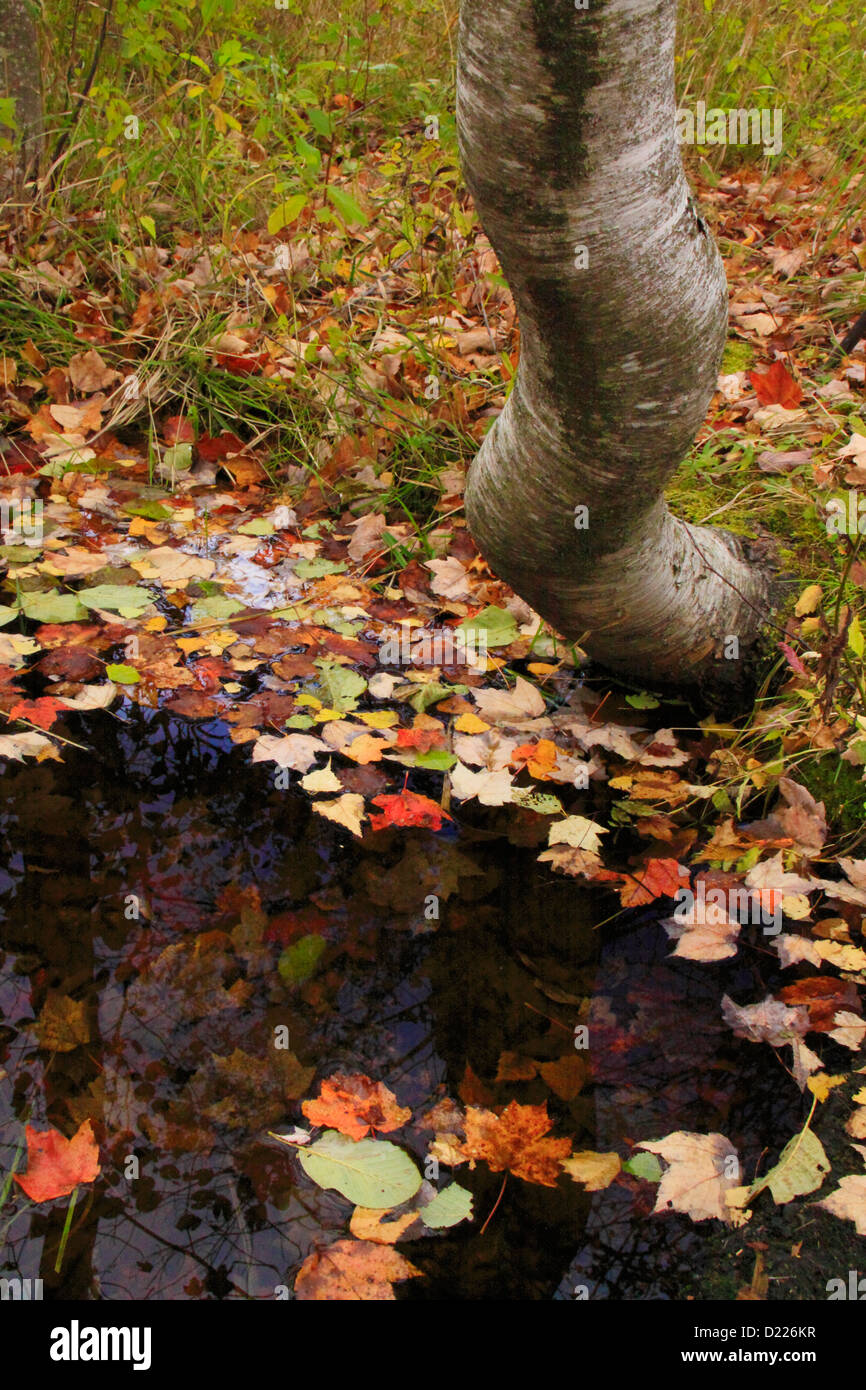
(514, 1140)
(56, 1165)
(776, 386)
(355, 1105)
(62, 1024)
(346, 810)
(408, 808)
(695, 1180)
(352, 1271)
(595, 1170)
(849, 1201)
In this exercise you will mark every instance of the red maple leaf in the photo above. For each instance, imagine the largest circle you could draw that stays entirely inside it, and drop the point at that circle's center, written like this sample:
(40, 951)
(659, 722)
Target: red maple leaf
(178, 429)
(288, 926)
(41, 712)
(408, 808)
(214, 448)
(242, 364)
(776, 387)
(422, 739)
(658, 878)
(55, 1165)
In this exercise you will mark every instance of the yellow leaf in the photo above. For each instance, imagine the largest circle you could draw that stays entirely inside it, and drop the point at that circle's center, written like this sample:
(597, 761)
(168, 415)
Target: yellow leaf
(347, 810)
(808, 600)
(578, 832)
(821, 1084)
(322, 780)
(594, 1170)
(378, 718)
(470, 724)
(796, 906)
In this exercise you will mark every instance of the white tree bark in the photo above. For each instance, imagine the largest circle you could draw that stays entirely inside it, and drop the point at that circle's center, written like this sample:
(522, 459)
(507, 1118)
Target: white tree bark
(20, 74)
(566, 123)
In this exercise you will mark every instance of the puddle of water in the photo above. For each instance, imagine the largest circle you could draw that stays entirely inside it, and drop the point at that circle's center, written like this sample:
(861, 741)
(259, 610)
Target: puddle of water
(155, 882)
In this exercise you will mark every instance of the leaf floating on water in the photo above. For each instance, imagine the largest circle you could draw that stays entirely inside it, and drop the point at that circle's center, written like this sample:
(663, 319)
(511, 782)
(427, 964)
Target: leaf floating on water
(55, 1164)
(695, 1180)
(352, 1271)
(448, 1208)
(355, 1105)
(595, 1170)
(802, 1167)
(368, 1172)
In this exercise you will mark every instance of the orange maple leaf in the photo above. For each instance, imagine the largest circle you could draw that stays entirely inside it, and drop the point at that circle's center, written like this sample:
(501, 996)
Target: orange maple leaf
(55, 1165)
(41, 712)
(538, 758)
(514, 1140)
(422, 739)
(355, 1105)
(776, 387)
(408, 808)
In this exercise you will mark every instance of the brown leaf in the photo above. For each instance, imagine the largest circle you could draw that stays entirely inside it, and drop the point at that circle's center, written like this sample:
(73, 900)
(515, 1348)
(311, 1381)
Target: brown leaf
(352, 1271)
(62, 1025)
(566, 1077)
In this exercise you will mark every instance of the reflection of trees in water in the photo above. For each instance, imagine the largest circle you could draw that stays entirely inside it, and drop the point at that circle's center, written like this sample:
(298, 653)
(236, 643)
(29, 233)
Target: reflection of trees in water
(172, 813)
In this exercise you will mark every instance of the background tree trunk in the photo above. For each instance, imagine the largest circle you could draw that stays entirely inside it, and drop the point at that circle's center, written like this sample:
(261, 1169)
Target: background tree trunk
(21, 76)
(566, 122)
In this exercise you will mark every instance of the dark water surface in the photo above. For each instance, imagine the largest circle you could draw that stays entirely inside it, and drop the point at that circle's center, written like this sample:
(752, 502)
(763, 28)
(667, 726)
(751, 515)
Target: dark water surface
(181, 1075)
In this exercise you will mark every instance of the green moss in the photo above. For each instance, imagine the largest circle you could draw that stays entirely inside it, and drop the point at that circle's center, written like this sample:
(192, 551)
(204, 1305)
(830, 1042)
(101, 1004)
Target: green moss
(738, 356)
(719, 484)
(838, 784)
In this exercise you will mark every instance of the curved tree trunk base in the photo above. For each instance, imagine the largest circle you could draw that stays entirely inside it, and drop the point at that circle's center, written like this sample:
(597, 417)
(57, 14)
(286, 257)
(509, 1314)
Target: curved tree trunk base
(567, 131)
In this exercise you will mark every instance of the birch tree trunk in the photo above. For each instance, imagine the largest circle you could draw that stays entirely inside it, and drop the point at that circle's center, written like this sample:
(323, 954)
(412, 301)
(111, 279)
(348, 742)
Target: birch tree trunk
(566, 123)
(20, 74)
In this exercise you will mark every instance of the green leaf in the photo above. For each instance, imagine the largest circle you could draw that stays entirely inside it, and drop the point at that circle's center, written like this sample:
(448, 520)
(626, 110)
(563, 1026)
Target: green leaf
(855, 638)
(450, 1206)
(438, 759)
(423, 696)
(320, 121)
(216, 606)
(644, 1166)
(642, 701)
(299, 721)
(369, 1172)
(20, 554)
(802, 1167)
(257, 527)
(126, 599)
(495, 626)
(178, 457)
(52, 607)
(347, 207)
(149, 225)
(123, 675)
(8, 615)
(299, 961)
(317, 569)
(286, 212)
(340, 685)
(151, 511)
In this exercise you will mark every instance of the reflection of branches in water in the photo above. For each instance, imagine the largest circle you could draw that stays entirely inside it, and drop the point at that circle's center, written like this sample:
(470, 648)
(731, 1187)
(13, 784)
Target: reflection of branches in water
(166, 821)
